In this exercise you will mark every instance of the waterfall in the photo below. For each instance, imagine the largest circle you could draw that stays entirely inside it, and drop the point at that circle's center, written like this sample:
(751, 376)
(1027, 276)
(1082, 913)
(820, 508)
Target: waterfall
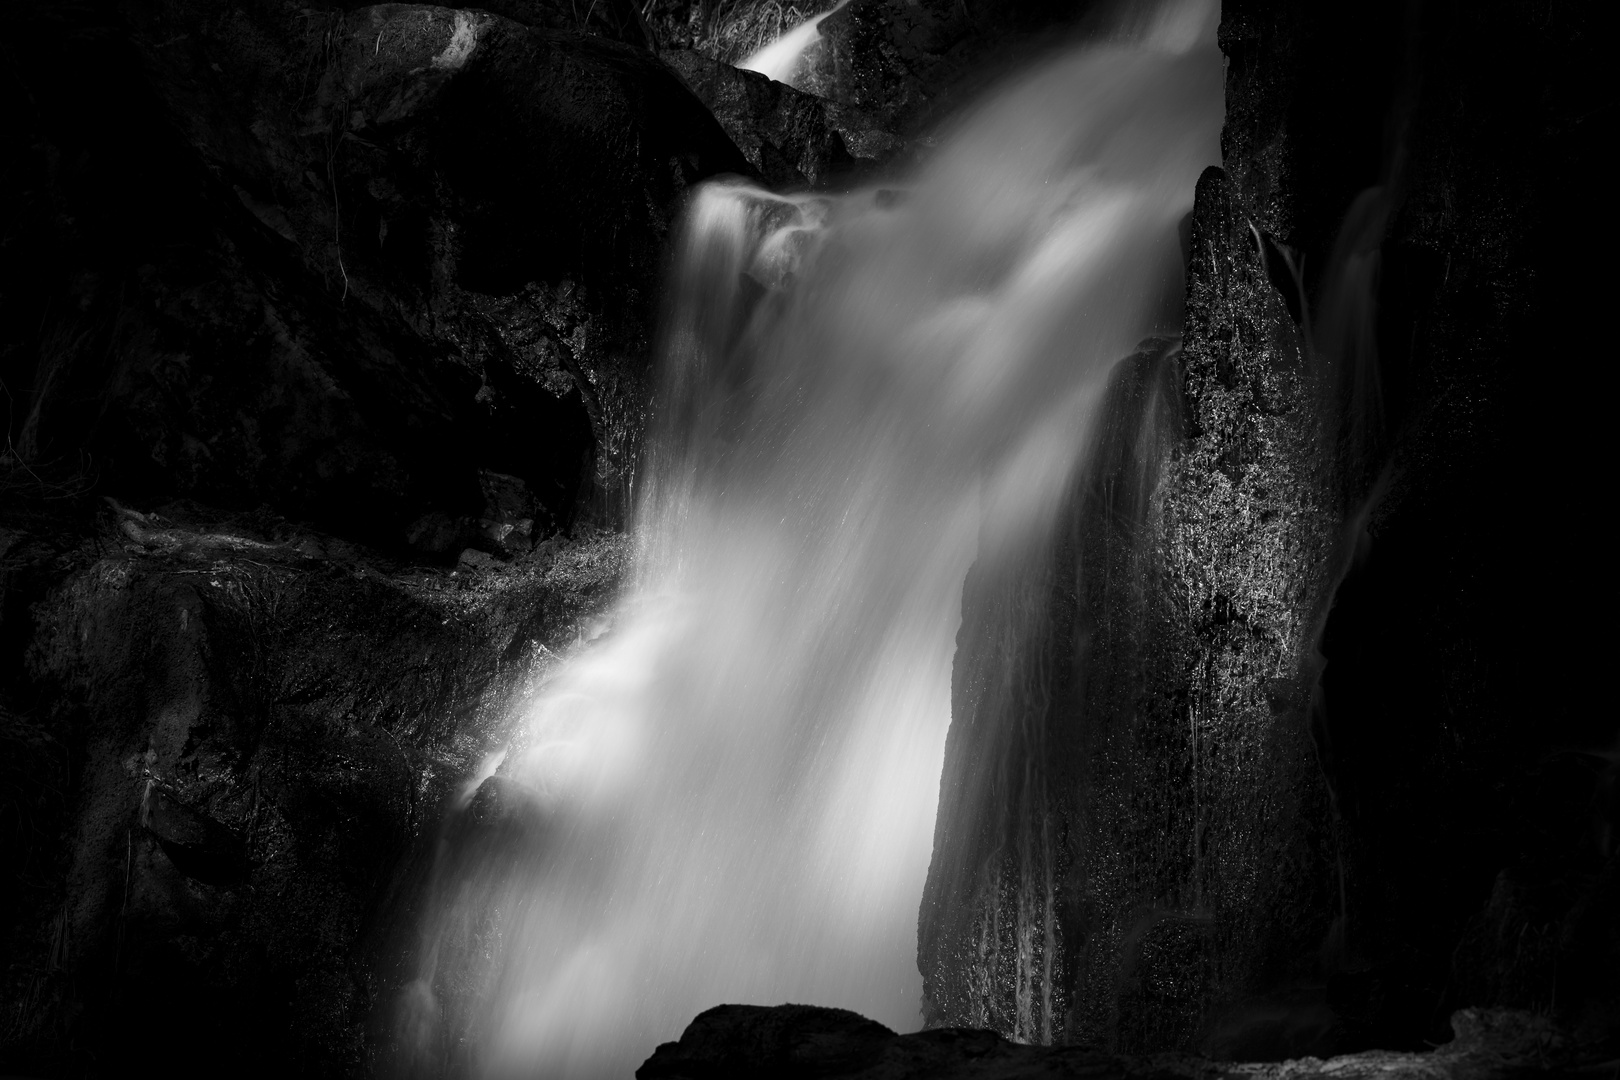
(780, 59)
(729, 795)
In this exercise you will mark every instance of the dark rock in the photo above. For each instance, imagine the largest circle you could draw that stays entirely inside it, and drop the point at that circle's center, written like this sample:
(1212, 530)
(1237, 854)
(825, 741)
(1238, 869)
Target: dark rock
(436, 534)
(617, 20)
(794, 139)
(882, 55)
(506, 498)
(263, 742)
(510, 511)
(805, 1041)
(733, 1042)
(200, 847)
(788, 1040)
(1247, 759)
(1104, 682)
(726, 30)
(889, 70)
(1443, 783)
(336, 263)
(549, 159)
(478, 560)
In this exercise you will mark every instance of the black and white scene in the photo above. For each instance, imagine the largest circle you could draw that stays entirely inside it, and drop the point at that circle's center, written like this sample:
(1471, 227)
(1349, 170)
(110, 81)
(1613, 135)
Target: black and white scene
(808, 539)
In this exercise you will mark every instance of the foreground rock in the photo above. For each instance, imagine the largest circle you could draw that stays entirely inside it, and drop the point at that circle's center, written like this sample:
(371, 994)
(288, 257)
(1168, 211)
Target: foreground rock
(226, 745)
(733, 1042)
(1276, 748)
(805, 1041)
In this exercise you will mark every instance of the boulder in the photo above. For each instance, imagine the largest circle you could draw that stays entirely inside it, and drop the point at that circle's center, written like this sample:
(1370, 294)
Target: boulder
(805, 1042)
(240, 740)
(1312, 757)
(784, 134)
(336, 264)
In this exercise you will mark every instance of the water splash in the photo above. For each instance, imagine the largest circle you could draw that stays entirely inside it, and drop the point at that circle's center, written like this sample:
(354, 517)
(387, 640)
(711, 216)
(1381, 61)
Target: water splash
(730, 796)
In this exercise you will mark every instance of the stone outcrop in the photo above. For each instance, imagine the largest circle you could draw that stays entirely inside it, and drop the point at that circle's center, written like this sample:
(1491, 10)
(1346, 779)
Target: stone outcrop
(794, 139)
(230, 745)
(337, 262)
(351, 310)
(1252, 755)
(735, 1041)
(913, 61)
(1132, 821)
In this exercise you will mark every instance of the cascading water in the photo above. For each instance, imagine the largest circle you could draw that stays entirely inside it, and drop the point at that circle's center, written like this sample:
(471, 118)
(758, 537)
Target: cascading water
(731, 792)
(781, 59)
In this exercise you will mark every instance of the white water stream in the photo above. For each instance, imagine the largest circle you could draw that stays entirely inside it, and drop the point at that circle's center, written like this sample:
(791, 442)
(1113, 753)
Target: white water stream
(781, 58)
(860, 396)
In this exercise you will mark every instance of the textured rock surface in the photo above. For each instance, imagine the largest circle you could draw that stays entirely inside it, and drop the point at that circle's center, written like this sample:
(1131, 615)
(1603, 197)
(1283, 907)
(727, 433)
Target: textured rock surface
(1258, 755)
(794, 139)
(231, 744)
(725, 30)
(912, 61)
(336, 262)
(360, 284)
(737, 1041)
(806, 1041)
(1130, 824)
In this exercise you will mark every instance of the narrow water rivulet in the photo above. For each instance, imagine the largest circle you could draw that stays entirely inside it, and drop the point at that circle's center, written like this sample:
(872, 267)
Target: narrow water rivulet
(732, 789)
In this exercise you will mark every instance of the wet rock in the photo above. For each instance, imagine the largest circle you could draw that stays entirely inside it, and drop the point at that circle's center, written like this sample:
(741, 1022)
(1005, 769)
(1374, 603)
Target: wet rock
(477, 560)
(809, 1041)
(728, 31)
(546, 249)
(263, 743)
(617, 20)
(882, 55)
(510, 510)
(337, 263)
(736, 1041)
(435, 534)
(1106, 680)
(1278, 787)
(911, 63)
(887, 70)
(506, 498)
(1423, 714)
(787, 135)
(200, 847)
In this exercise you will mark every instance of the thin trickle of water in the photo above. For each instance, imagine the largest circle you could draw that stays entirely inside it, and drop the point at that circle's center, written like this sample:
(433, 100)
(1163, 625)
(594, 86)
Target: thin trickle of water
(730, 796)
(781, 59)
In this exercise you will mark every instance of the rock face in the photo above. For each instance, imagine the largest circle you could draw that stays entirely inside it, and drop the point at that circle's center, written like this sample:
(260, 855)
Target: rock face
(794, 139)
(357, 287)
(229, 747)
(1128, 823)
(736, 1041)
(361, 300)
(336, 263)
(806, 1041)
(1473, 782)
(728, 31)
(1243, 759)
(912, 61)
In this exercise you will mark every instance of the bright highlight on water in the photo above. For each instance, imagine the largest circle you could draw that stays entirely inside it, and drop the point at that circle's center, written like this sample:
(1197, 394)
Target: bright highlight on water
(734, 787)
(780, 59)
